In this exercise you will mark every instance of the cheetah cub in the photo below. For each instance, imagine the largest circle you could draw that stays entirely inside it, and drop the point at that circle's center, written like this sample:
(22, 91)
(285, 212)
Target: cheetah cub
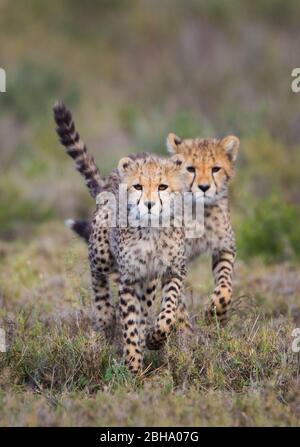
(146, 254)
(142, 254)
(210, 163)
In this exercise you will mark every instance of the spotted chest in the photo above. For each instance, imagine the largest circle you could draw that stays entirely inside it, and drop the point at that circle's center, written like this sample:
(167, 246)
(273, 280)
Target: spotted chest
(147, 252)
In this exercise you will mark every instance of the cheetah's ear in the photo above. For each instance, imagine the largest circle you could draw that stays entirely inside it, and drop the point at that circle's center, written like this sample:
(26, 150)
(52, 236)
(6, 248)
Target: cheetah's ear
(177, 161)
(231, 145)
(173, 141)
(125, 164)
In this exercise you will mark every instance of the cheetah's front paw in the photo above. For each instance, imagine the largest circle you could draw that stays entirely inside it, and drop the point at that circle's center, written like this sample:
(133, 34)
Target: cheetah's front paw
(155, 340)
(218, 307)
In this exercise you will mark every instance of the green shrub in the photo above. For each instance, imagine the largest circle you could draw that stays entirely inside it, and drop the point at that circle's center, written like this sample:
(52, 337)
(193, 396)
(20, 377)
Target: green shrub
(271, 231)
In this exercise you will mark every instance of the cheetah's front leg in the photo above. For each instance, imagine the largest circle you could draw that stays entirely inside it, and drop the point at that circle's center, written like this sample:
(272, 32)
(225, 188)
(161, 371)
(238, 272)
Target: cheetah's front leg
(222, 267)
(182, 316)
(146, 295)
(171, 289)
(130, 321)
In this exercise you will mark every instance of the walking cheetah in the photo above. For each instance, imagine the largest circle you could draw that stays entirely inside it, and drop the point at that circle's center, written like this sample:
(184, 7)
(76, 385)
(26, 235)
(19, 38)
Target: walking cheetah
(141, 254)
(210, 163)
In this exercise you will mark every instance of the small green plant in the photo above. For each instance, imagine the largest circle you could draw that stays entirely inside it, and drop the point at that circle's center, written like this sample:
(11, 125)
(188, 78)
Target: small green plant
(116, 375)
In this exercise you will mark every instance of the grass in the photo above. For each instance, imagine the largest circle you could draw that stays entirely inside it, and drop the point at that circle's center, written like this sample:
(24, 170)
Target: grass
(59, 371)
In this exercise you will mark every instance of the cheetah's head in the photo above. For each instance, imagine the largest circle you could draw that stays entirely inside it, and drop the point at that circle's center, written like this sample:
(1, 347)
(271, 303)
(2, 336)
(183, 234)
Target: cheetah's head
(209, 162)
(152, 184)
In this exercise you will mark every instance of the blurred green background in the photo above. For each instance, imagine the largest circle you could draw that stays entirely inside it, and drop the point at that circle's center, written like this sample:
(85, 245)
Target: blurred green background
(133, 71)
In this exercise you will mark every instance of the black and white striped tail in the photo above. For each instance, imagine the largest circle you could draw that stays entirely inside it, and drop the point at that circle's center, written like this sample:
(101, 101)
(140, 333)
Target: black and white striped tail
(70, 139)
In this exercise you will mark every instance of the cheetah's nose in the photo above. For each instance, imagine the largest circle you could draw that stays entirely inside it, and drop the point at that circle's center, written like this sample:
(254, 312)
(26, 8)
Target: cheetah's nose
(149, 204)
(204, 187)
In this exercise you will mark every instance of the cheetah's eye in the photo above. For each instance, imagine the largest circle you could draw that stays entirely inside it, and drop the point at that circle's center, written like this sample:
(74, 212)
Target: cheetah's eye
(191, 169)
(138, 187)
(162, 187)
(215, 169)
